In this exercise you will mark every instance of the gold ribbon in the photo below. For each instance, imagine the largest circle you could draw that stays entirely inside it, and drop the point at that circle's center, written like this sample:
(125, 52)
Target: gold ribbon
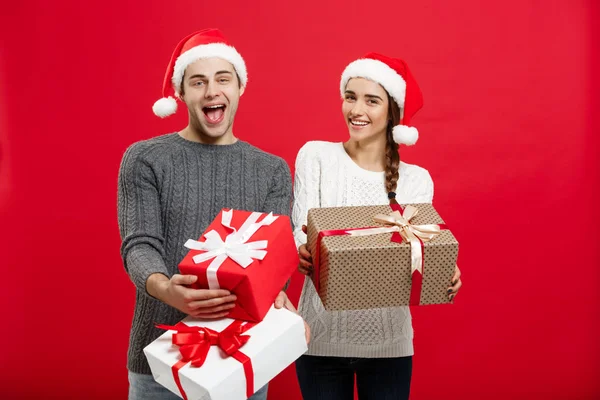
(400, 222)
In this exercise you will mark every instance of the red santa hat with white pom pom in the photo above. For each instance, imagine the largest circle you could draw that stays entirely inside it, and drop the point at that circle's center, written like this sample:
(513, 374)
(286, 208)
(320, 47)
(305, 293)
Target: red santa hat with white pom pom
(206, 43)
(395, 77)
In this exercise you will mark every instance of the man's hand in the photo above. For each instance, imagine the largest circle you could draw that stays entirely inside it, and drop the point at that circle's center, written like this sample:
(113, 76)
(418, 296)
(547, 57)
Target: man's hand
(282, 301)
(200, 303)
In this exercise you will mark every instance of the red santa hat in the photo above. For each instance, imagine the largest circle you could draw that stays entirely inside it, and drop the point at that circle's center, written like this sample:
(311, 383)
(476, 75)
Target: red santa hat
(206, 43)
(395, 77)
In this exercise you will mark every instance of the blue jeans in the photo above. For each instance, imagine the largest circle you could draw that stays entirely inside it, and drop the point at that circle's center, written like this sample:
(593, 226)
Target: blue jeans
(144, 387)
(332, 378)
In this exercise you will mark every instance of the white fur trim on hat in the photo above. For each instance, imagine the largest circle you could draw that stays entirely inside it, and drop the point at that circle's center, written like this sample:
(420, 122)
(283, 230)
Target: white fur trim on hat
(407, 135)
(379, 72)
(219, 50)
(165, 107)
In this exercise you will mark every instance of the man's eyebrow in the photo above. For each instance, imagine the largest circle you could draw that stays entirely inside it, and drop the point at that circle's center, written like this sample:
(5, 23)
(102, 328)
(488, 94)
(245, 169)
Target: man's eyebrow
(197, 76)
(201, 76)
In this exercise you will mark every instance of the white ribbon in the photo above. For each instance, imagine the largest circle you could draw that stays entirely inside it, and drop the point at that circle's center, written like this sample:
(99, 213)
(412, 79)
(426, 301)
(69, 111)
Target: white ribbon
(235, 245)
(400, 222)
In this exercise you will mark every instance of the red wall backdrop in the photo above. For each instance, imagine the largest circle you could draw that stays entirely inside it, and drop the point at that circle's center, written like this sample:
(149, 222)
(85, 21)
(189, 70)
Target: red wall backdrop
(509, 133)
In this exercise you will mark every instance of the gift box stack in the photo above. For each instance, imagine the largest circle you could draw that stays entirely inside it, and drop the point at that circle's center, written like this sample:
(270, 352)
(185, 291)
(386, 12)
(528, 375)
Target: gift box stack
(252, 255)
(380, 256)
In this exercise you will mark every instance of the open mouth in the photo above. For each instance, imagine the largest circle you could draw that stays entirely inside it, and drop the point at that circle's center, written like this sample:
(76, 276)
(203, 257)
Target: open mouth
(214, 113)
(359, 123)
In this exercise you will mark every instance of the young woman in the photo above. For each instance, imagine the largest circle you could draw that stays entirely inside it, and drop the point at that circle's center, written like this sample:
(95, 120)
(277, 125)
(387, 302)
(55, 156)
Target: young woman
(379, 97)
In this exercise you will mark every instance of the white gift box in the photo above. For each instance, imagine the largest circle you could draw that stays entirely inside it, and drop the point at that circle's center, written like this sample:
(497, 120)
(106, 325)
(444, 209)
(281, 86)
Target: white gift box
(274, 344)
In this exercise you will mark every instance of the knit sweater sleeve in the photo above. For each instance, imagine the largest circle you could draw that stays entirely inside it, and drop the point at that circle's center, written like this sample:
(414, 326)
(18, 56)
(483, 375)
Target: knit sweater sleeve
(306, 188)
(142, 248)
(423, 186)
(279, 198)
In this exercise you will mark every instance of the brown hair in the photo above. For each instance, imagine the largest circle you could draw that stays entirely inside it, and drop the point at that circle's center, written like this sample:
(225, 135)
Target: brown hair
(392, 157)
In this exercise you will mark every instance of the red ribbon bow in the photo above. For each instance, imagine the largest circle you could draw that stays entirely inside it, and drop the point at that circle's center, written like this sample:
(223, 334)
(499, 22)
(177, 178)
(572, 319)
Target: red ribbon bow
(195, 341)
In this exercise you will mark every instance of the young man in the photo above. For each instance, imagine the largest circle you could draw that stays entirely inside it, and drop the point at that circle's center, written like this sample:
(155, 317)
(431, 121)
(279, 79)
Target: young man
(171, 187)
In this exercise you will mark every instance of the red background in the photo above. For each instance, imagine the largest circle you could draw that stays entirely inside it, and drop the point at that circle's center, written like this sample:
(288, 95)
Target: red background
(508, 132)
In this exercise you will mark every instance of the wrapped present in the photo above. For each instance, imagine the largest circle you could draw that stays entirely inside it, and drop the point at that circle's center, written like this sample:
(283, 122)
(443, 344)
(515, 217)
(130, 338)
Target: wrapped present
(225, 359)
(251, 254)
(380, 256)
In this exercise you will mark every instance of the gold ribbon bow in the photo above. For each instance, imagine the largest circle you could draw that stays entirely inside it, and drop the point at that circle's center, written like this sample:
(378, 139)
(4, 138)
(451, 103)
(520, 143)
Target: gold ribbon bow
(400, 222)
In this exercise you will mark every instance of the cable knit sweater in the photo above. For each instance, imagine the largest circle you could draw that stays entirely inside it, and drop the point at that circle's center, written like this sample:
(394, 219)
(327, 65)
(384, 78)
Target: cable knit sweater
(170, 190)
(326, 176)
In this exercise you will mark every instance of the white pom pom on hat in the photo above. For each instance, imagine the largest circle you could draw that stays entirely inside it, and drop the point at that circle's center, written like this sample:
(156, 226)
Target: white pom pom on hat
(395, 77)
(407, 135)
(206, 43)
(165, 107)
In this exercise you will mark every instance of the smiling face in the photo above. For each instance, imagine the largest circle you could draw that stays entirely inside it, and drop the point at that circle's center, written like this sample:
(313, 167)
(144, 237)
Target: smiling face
(365, 109)
(211, 92)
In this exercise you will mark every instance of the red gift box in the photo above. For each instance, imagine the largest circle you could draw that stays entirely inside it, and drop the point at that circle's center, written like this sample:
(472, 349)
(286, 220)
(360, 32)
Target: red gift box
(250, 254)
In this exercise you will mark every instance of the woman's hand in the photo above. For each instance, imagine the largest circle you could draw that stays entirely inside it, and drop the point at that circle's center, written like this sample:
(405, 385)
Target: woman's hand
(305, 266)
(456, 285)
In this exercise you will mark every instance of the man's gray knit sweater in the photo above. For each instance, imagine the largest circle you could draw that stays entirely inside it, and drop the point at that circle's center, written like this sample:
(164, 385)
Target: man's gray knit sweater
(170, 190)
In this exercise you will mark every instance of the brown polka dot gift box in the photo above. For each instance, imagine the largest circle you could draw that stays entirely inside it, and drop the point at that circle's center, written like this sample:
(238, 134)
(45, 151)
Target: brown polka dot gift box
(379, 256)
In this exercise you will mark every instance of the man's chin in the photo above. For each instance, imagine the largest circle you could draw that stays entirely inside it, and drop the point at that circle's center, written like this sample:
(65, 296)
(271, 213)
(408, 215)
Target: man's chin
(214, 134)
(213, 131)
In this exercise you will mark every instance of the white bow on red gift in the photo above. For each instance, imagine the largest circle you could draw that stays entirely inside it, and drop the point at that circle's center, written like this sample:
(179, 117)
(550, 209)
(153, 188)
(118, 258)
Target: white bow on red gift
(235, 245)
